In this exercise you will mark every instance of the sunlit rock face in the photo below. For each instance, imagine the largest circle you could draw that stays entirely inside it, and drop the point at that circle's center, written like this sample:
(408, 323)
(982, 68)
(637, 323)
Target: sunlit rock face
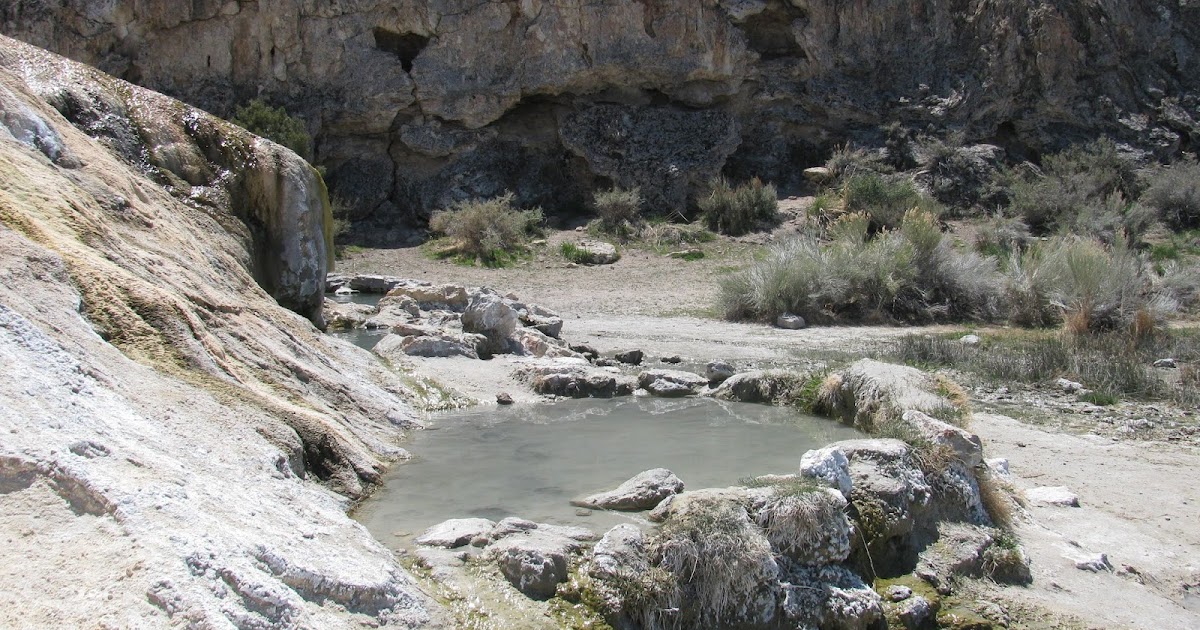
(418, 104)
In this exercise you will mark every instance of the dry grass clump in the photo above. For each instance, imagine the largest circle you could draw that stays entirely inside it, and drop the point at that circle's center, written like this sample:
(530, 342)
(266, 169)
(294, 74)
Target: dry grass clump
(491, 231)
(716, 559)
(998, 498)
(736, 210)
(619, 210)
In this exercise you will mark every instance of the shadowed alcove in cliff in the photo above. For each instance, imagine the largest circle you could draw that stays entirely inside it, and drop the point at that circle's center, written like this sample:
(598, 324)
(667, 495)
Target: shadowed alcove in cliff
(406, 46)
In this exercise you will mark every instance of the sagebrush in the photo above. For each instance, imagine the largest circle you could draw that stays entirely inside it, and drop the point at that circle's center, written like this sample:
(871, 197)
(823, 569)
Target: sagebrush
(736, 210)
(490, 231)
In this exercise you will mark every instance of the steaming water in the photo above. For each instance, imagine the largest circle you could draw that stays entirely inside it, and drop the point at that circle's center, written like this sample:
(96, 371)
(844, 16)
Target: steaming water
(530, 461)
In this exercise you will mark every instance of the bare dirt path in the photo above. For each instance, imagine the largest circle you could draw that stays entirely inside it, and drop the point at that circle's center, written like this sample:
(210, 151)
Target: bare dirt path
(1139, 503)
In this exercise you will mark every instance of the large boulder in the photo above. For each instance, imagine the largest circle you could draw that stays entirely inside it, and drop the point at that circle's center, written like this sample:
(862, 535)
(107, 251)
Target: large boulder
(642, 492)
(534, 557)
(431, 296)
(346, 315)
(759, 386)
(492, 316)
(621, 549)
(574, 378)
(966, 445)
(436, 345)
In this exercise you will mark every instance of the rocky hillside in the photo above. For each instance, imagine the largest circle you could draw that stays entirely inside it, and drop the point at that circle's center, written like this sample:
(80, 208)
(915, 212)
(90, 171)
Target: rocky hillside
(418, 103)
(169, 433)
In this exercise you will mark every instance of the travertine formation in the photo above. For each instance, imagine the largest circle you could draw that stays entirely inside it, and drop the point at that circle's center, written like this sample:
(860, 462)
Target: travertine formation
(169, 433)
(418, 103)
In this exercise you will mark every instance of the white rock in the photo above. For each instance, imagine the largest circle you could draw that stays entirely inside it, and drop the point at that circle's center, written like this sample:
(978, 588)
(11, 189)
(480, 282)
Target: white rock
(966, 445)
(1165, 363)
(998, 465)
(969, 340)
(1058, 496)
(456, 532)
(829, 465)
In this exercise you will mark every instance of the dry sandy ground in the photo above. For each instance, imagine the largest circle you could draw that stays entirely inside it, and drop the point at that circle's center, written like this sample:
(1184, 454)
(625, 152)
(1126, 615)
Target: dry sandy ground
(1139, 503)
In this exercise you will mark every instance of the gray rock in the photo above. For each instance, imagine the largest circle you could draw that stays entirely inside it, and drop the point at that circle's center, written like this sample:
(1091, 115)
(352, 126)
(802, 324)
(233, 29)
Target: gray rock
(542, 319)
(534, 557)
(574, 378)
(830, 466)
(1165, 363)
(1058, 496)
(1069, 386)
(538, 344)
(642, 492)
(671, 383)
(818, 174)
(456, 532)
(673, 360)
(343, 316)
(392, 345)
(621, 549)
(757, 386)
(492, 316)
(531, 564)
(790, 321)
(718, 371)
(969, 340)
(830, 596)
(587, 351)
(630, 357)
(504, 398)
(915, 612)
(392, 312)
(370, 283)
(431, 296)
(868, 388)
(966, 445)
(1096, 563)
(899, 592)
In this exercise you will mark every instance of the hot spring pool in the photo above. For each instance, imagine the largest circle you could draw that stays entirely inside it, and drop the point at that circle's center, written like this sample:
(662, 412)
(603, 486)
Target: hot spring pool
(530, 461)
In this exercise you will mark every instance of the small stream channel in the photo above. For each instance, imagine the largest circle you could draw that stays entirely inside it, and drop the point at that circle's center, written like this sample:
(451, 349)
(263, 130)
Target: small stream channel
(530, 461)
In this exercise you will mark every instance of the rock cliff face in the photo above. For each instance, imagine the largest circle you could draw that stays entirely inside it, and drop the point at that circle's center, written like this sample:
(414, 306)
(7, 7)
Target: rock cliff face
(418, 103)
(169, 434)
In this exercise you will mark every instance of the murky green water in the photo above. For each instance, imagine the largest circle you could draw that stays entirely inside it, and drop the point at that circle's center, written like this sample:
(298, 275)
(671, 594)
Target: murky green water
(530, 461)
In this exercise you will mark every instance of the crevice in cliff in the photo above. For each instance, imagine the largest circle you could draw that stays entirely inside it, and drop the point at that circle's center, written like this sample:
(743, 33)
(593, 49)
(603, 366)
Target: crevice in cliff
(406, 46)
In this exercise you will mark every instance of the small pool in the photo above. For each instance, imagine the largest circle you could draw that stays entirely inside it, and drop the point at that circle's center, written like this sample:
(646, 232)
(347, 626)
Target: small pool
(530, 461)
(362, 337)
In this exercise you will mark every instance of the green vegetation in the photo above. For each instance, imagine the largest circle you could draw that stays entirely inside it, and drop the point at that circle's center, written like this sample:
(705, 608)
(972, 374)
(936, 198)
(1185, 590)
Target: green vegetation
(885, 199)
(492, 231)
(738, 210)
(274, 124)
(575, 254)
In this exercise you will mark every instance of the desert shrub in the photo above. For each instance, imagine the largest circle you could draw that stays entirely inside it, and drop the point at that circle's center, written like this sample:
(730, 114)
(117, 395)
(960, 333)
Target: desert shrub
(1174, 193)
(961, 177)
(910, 274)
(491, 231)
(1001, 234)
(1110, 220)
(1180, 283)
(1091, 286)
(274, 124)
(737, 210)
(885, 199)
(618, 210)
(1070, 182)
(846, 162)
